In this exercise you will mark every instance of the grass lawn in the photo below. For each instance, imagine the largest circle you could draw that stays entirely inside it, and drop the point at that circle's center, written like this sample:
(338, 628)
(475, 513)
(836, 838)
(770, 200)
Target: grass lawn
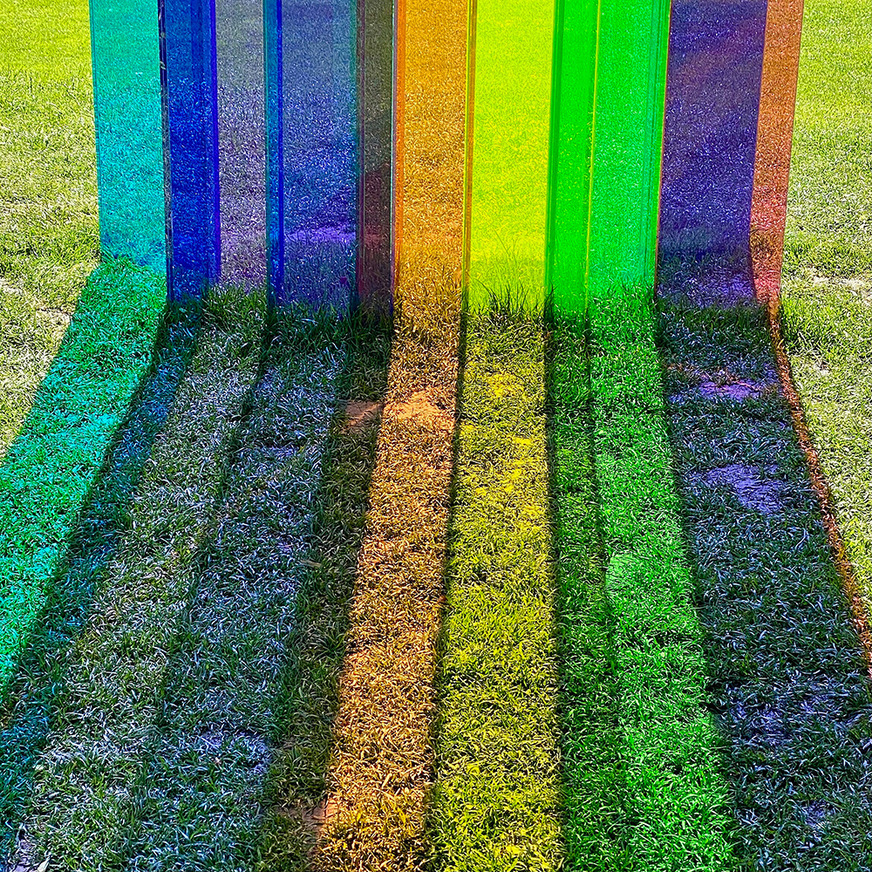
(48, 191)
(496, 801)
(785, 675)
(83, 784)
(827, 293)
(642, 782)
(50, 468)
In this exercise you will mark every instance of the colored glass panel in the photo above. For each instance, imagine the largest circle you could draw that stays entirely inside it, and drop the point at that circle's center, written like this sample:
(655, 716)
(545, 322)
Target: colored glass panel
(127, 105)
(313, 150)
(713, 90)
(511, 46)
(609, 82)
(375, 115)
(241, 141)
(431, 105)
(191, 143)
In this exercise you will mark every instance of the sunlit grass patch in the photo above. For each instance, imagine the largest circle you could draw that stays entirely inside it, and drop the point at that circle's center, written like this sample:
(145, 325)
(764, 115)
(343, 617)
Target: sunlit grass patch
(495, 803)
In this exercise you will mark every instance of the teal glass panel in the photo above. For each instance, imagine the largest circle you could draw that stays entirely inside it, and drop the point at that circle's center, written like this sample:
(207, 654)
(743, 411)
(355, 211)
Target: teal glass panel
(127, 104)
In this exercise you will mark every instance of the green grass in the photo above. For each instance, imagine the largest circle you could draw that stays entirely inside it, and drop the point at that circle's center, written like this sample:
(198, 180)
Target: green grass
(84, 783)
(28, 713)
(50, 468)
(786, 679)
(827, 301)
(495, 803)
(48, 191)
(202, 798)
(641, 759)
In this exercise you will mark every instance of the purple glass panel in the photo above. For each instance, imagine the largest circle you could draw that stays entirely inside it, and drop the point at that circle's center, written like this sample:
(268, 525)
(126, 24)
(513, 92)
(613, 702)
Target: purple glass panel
(712, 99)
(241, 141)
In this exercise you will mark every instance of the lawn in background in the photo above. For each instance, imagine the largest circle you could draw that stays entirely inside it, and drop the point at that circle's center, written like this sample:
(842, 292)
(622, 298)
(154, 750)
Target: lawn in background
(827, 279)
(48, 190)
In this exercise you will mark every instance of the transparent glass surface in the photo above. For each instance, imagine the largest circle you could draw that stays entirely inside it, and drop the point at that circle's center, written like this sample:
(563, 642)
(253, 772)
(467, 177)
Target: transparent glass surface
(241, 141)
(511, 47)
(376, 111)
(127, 102)
(191, 143)
(313, 151)
(713, 92)
(606, 146)
(431, 103)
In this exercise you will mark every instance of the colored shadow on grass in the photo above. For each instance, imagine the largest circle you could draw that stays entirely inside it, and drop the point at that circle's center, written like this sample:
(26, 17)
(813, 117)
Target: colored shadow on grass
(510, 51)
(28, 715)
(204, 793)
(373, 815)
(51, 466)
(83, 790)
(495, 802)
(642, 786)
(786, 677)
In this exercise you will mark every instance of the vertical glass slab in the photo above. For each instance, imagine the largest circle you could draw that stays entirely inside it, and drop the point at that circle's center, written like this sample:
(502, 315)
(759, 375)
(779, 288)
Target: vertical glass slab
(313, 151)
(713, 91)
(511, 47)
(127, 103)
(241, 141)
(375, 116)
(190, 144)
(606, 147)
(774, 142)
(430, 149)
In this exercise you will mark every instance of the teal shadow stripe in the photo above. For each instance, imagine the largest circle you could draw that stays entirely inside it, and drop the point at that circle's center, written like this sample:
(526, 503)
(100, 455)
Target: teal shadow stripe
(53, 462)
(27, 713)
(786, 676)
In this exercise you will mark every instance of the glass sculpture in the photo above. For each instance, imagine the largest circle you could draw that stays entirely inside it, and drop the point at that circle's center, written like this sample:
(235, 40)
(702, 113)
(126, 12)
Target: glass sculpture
(713, 93)
(606, 146)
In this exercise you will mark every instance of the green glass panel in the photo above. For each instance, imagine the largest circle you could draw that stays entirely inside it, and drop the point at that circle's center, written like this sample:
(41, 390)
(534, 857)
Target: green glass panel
(606, 146)
(511, 45)
(127, 104)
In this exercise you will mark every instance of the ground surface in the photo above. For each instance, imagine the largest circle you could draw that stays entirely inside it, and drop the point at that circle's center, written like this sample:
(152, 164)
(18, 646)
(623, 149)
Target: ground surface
(828, 260)
(493, 593)
(48, 190)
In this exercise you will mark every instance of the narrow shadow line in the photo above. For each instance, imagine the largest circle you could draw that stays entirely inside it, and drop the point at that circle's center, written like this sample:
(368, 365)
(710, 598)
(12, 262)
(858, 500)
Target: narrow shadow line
(28, 713)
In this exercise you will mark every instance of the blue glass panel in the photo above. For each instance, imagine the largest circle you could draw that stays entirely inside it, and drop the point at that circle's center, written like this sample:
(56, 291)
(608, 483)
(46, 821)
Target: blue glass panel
(190, 143)
(312, 62)
(241, 141)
